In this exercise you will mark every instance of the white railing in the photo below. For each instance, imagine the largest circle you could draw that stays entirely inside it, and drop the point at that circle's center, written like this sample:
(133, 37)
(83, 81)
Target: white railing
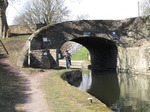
(74, 48)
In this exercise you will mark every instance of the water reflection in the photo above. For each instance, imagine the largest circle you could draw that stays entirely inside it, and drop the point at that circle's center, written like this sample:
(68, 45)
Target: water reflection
(86, 81)
(105, 86)
(121, 92)
(135, 96)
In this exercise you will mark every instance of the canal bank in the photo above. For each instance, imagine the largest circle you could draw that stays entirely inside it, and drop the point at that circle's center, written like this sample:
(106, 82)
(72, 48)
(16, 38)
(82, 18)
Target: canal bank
(62, 97)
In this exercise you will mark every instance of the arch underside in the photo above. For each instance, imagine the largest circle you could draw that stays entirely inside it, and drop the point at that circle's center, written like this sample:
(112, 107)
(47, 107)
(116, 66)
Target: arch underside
(103, 52)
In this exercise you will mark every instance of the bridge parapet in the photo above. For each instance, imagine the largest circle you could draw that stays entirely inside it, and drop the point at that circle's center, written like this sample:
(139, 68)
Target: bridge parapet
(128, 31)
(105, 38)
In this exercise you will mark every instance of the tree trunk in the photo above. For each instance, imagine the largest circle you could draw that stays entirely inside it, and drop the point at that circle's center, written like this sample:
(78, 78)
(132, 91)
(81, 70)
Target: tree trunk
(4, 30)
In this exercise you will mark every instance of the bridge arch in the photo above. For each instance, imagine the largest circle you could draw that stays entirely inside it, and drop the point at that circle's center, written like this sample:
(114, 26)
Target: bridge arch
(60, 33)
(111, 43)
(103, 52)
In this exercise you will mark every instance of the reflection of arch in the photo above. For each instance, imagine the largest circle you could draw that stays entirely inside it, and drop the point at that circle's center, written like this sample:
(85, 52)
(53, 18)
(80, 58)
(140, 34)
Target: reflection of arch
(86, 82)
(105, 86)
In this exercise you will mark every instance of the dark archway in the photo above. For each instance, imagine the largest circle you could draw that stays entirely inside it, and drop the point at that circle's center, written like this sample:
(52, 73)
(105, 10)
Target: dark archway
(103, 52)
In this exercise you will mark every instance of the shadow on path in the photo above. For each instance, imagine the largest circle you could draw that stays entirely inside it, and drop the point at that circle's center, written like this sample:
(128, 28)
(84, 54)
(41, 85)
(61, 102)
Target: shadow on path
(12, 88)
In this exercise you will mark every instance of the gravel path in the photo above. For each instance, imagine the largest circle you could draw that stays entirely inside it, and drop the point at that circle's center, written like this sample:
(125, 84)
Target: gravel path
(34, 102)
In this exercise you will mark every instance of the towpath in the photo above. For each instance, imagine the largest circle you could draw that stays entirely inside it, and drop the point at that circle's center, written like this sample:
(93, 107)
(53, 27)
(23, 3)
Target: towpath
(34, 100)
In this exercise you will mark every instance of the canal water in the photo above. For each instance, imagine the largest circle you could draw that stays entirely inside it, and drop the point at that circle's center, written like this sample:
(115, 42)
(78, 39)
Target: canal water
(121, 92)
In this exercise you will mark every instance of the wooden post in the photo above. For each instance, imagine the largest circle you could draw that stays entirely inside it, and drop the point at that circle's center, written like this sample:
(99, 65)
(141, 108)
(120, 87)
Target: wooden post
(4, 47)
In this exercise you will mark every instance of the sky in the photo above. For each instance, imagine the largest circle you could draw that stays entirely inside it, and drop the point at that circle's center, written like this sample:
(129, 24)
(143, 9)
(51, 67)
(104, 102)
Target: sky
(94, 9)
(13, 9)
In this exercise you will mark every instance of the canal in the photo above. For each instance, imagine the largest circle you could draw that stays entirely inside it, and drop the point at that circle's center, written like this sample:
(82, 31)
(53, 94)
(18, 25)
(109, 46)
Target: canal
(121, 92)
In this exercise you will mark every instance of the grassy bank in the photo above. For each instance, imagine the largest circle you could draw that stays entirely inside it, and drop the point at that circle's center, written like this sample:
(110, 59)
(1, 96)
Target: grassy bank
(62, 97)
(81, 54)
(14, 45)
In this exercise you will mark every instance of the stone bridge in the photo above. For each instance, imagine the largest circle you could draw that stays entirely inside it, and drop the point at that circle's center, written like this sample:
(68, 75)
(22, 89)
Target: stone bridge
(113, 44)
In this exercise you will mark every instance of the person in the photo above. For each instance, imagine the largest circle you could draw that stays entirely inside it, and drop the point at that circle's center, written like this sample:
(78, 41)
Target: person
(68, 59)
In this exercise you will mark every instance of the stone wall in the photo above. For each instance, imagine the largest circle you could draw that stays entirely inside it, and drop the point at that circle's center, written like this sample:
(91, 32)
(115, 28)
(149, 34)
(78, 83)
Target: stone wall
(134, 59)
(126, 33)
(44, 59)
(24, 29)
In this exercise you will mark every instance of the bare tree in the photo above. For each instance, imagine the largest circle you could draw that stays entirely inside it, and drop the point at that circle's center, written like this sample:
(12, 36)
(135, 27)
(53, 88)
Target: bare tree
(145, 7)
(3, 21)
(42, 11)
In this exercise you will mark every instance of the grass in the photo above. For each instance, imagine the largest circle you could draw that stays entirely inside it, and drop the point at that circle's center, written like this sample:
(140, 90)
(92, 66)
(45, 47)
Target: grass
(62, 97)
(14, 45)
(81, 54)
